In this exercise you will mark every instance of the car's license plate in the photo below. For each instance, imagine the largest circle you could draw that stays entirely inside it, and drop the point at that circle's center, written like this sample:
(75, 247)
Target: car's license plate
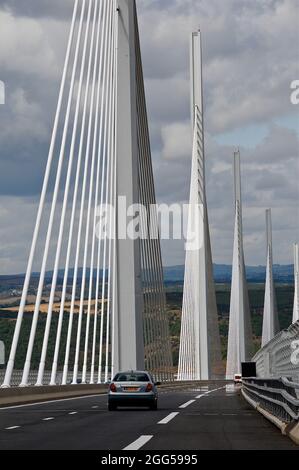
(131, 389)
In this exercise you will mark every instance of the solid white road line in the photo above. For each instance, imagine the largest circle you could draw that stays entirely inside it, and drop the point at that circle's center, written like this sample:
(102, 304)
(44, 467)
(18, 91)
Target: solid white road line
(140, 442)
(12, 427)
(187, 404)
(48, 419)
(199, 396)
(168, 418)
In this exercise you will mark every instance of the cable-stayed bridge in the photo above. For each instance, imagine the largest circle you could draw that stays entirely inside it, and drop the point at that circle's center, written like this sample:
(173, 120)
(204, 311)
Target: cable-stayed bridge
(99, 163)
(99, 153)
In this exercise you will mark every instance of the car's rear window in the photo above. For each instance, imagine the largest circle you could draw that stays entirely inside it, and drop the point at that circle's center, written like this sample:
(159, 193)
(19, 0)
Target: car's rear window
(131, 377)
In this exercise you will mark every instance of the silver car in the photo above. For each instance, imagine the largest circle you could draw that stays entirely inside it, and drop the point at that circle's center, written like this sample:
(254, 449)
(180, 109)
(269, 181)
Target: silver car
(133, 388)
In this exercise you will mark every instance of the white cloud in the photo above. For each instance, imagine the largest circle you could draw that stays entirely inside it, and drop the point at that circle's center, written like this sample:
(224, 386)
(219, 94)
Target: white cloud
(25, 47)
(16, 228)
(28, 118)
(176, 138)
(250, 56)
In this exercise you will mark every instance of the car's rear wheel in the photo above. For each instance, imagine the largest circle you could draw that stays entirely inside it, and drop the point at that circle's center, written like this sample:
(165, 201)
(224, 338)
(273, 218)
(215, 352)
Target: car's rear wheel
(111, 407)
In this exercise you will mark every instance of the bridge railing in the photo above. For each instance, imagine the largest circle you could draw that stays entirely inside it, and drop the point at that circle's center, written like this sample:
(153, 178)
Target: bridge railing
(280, 357)
(280, 397)
(32, 378)
(16, 379)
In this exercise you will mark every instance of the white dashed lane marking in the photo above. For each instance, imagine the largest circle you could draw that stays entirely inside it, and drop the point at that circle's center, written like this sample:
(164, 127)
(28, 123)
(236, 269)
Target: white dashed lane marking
(48, 419)
(12, 427)
(187, 404)
(168, 418)
(140, 442)
(73, 413)
(208, 393)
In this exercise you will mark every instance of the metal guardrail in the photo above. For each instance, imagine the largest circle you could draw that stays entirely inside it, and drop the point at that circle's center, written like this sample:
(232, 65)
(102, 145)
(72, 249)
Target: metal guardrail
(280, 397)
(17, 377)
(280, 357)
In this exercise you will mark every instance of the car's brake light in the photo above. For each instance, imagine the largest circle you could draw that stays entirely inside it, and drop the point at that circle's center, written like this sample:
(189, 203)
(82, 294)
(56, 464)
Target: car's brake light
(149, 387)
(113, 388)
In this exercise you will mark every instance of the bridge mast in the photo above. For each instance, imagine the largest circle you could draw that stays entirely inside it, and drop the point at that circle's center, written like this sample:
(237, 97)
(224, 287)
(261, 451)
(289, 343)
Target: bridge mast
(200, 356)
(128, 346)
(270, 318)
(240, 335)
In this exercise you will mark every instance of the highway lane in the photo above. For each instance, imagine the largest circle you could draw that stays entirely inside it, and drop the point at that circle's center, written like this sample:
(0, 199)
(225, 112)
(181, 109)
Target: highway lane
(92, 427)
(220, 421)
(188, 419)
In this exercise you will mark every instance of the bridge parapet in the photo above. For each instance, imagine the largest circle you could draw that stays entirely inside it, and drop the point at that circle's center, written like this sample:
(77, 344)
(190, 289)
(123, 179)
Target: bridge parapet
(275, 390)
(16, 396)
(277, 400)
(278, 396)
(280, 357)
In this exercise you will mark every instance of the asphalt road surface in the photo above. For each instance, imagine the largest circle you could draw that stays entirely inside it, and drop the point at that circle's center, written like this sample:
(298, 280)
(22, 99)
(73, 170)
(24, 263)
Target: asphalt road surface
(203, 418)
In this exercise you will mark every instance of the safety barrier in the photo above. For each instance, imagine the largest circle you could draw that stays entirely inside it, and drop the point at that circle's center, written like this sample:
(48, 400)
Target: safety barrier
(16, 377)
(280, 357)
(32, 378)
(278, 396)
(277, 400)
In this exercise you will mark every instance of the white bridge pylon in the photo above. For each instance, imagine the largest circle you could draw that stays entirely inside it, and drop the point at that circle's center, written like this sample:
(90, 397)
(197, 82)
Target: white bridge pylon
(104, 296)
(270, 317)
(240, 332)
(200, 354)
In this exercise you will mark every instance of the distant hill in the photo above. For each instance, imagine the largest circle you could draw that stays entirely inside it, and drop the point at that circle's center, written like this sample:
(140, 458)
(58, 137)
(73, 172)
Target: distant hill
(222, 274)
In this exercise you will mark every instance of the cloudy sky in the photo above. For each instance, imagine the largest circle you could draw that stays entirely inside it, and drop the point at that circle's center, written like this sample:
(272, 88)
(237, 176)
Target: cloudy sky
(250, 59)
